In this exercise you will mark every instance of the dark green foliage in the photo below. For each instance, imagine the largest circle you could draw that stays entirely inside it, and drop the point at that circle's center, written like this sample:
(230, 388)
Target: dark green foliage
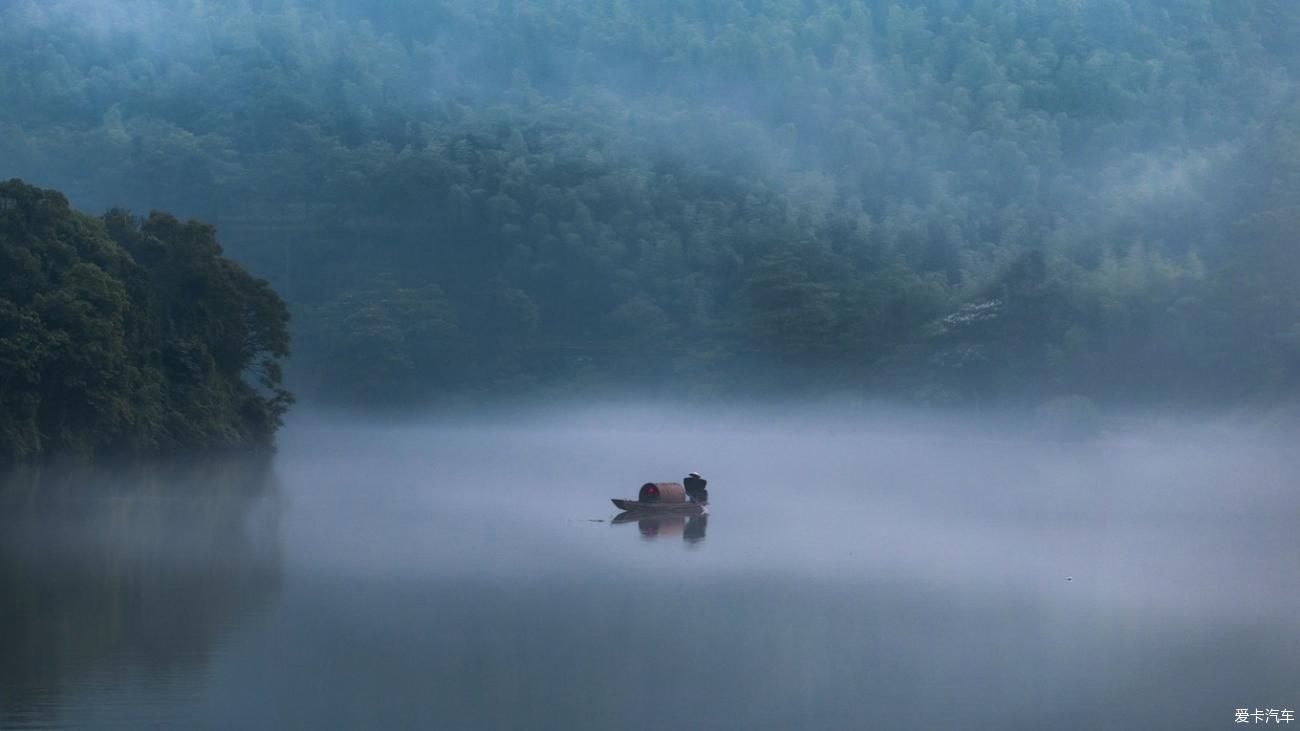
(959, 200)
(380, 342)
(792, 311)
(129, 336)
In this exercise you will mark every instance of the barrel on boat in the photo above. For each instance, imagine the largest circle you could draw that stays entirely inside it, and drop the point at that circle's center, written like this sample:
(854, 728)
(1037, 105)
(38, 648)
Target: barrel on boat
(662, 492)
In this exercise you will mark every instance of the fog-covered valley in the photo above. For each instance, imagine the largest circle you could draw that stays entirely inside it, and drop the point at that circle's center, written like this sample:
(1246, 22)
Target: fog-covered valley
(329, 329)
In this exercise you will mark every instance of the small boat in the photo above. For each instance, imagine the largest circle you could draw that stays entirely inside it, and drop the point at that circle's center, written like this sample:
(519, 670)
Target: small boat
(636, 506)
(661, 497)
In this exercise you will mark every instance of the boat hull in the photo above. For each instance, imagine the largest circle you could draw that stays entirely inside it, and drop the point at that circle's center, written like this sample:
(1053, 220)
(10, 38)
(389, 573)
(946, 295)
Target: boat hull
(636, 506)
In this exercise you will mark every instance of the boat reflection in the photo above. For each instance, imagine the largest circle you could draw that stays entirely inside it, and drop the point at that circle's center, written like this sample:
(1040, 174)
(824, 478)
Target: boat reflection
(652, 526)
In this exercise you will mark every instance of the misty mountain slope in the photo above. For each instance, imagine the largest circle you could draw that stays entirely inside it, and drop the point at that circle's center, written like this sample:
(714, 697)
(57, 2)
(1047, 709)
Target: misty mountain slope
(954, 200)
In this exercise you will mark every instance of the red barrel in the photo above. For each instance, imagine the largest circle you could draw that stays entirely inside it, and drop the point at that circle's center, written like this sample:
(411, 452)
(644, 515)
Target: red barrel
(662, 492)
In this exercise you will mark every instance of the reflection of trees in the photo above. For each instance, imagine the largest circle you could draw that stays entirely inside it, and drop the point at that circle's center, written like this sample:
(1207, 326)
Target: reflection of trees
(140, 566)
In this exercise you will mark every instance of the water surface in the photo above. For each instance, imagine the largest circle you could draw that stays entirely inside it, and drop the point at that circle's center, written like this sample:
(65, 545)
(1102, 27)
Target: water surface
(863, 573)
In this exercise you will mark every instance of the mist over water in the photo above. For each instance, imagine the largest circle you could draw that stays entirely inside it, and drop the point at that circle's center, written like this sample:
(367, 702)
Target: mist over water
(1053, 218)
(877, 569)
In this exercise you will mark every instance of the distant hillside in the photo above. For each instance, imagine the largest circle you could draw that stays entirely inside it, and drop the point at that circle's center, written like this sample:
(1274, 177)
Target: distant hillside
(957, 201)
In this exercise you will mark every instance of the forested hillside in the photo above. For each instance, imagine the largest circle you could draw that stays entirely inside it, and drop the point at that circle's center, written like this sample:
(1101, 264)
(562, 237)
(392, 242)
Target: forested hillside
(956, 201)
(129, 336)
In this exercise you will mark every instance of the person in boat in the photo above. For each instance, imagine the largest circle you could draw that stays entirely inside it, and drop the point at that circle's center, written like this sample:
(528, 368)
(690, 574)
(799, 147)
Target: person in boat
(695, 488)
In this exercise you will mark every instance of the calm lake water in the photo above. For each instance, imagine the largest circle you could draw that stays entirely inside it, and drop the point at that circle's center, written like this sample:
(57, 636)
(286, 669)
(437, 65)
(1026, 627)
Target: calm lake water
(867, 573)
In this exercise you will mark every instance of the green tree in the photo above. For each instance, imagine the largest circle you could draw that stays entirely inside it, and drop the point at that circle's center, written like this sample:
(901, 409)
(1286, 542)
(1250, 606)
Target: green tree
(118, 335)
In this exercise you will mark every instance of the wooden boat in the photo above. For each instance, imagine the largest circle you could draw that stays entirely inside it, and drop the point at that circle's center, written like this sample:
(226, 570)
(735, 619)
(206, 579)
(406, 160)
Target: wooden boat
(661, 498)
(637, 506)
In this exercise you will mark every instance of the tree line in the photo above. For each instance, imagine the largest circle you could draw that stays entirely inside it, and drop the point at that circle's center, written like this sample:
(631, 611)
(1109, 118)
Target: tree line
(129, 336)
(958, 201)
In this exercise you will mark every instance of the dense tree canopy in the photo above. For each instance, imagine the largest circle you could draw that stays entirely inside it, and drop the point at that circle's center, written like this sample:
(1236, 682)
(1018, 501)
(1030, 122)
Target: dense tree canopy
(129, 335)
(956, 200)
